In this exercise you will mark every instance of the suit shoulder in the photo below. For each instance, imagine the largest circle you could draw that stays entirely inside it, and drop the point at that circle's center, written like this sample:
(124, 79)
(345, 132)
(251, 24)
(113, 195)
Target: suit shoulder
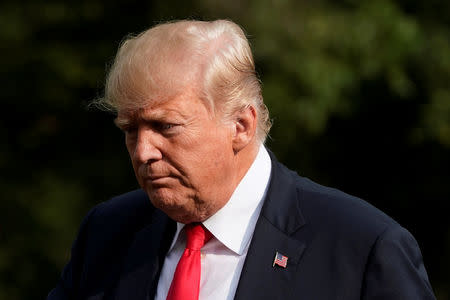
(330, 207)
(132, 202)
(119, 215)
(104, 238)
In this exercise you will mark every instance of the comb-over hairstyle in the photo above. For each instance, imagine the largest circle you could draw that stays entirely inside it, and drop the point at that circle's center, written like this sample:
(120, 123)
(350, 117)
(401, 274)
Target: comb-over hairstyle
(213, 58)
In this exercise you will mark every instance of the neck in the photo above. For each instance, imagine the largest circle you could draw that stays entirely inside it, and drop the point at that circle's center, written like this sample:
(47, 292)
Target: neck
(244, 159)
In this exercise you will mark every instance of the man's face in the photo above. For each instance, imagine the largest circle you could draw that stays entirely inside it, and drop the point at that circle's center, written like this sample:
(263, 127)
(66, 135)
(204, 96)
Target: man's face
(182, 156)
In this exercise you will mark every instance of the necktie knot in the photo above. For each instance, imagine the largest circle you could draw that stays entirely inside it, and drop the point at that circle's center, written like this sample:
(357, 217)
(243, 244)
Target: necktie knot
(197, 236)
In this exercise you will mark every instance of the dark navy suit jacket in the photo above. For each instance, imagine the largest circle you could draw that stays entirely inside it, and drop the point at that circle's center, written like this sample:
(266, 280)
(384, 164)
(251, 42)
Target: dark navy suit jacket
(338, 247)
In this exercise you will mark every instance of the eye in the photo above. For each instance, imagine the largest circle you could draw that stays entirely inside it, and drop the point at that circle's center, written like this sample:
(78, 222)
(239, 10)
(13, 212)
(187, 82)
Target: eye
(167, 126)
(164, 127)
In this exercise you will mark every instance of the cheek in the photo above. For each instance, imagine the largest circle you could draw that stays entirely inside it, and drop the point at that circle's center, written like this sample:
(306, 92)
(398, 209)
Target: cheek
(217, 155)
(202, 154)
(212, 147)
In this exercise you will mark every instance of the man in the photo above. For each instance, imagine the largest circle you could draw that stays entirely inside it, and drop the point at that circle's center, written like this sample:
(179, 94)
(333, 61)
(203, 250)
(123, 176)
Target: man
(187, 97)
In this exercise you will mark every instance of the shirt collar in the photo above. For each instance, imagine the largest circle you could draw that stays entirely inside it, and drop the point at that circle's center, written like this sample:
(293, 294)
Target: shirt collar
(234, 223)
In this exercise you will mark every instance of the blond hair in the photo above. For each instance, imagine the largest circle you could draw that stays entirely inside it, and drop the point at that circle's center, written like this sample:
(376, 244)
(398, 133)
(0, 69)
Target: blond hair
(215, 57)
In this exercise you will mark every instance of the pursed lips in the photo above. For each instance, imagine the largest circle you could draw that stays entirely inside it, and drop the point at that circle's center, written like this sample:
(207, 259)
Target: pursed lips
(153, 179)
(156, 177)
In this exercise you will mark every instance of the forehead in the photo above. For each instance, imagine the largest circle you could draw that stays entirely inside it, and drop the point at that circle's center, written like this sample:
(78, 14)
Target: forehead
(182, 106)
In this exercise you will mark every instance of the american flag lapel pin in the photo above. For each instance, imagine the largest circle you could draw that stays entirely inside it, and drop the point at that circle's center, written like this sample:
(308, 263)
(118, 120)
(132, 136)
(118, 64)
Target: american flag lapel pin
(280, 260)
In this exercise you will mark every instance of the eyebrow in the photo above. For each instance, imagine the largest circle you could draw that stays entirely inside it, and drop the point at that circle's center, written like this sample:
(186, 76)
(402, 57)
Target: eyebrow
(156, 115)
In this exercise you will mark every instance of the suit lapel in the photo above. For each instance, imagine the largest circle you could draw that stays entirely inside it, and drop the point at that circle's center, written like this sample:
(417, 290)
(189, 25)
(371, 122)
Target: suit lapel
(259, 279)
(143, 263)
(280, 218)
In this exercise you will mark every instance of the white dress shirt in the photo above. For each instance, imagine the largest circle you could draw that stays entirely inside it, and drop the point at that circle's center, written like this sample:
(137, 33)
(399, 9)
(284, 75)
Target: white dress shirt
(232, 228)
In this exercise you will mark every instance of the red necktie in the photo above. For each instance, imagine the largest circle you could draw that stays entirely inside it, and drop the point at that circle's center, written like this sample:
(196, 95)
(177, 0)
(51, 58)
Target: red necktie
(186, 280)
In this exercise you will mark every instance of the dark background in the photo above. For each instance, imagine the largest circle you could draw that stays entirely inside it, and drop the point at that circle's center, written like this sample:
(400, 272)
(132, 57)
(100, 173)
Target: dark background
(359, 92)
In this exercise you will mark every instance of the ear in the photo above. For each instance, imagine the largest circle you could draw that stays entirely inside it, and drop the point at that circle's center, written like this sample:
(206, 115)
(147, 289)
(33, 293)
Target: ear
(244, 126)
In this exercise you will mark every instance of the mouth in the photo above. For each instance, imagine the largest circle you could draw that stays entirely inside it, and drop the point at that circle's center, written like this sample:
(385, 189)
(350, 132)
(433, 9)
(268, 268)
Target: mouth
(156, 177)
(155, 180)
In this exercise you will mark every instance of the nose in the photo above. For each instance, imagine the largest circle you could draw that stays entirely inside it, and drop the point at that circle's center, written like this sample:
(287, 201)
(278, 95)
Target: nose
(147, 146)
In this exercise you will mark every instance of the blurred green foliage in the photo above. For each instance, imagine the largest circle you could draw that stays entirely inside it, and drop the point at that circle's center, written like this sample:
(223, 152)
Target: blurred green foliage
(359, 92)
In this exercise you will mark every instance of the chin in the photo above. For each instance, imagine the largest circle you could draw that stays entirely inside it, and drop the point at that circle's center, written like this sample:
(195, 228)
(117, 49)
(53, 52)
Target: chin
(167, 201)
(185, 218)
(179, 211)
